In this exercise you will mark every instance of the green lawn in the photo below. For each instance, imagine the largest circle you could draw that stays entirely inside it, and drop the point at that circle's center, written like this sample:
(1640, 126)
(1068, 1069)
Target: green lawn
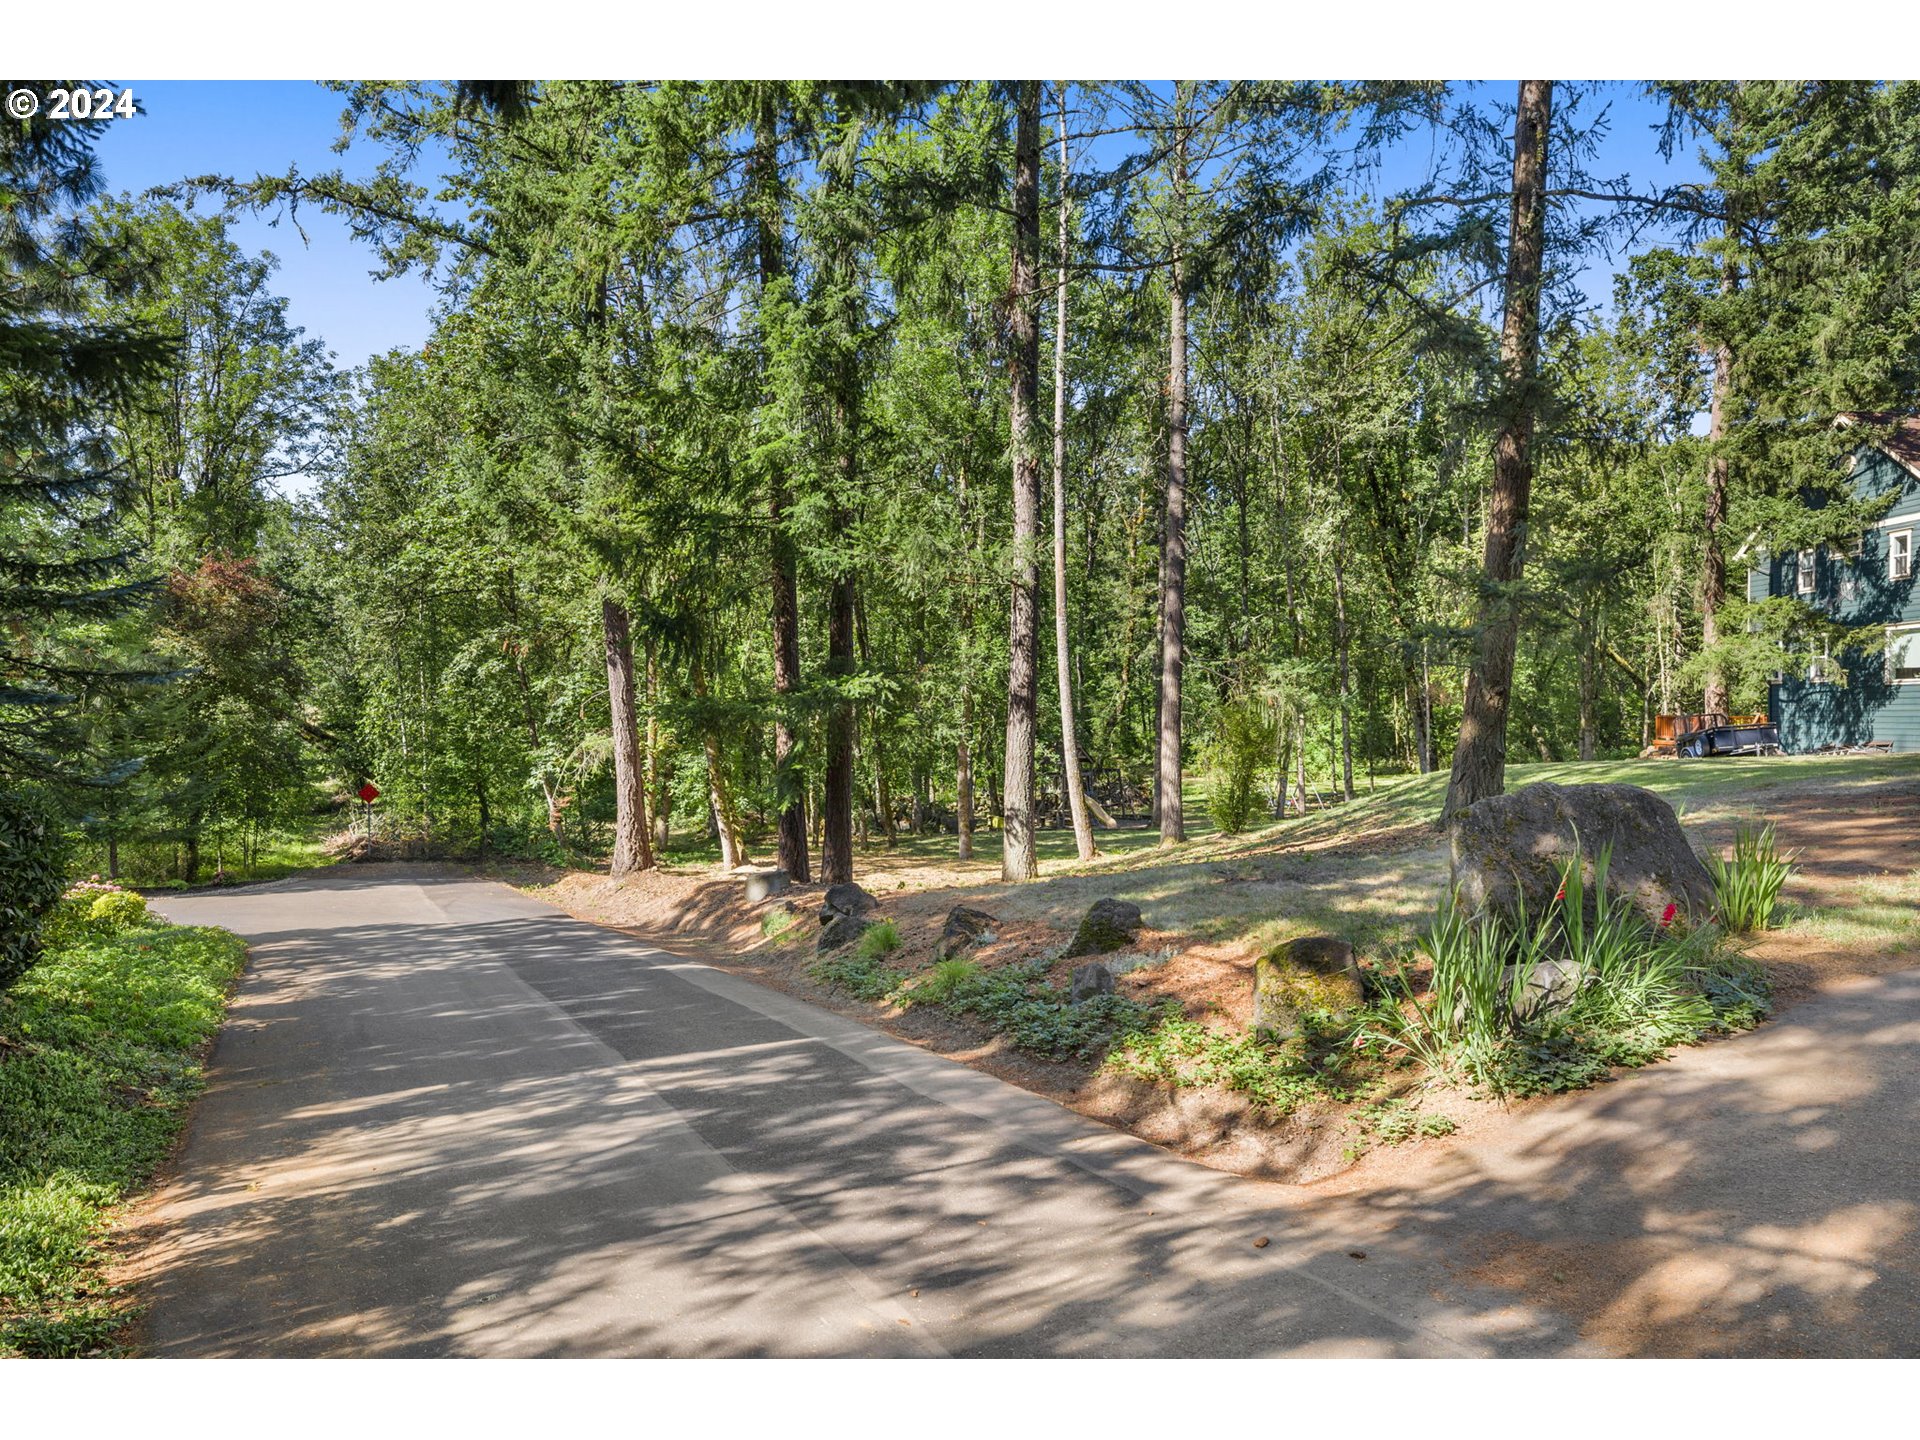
(99, 1060)
(1403, 800)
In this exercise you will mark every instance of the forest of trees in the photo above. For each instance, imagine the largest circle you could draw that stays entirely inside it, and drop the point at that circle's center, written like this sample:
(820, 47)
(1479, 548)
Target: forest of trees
(794, 467)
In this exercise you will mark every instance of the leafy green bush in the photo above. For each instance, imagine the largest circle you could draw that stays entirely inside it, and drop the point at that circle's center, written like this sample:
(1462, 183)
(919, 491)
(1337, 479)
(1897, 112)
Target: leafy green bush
(32, 875)
(97, 1068)
(1243, 743)
(877, 940)
(1747, 884)
(779, 921)
(93, 909)
(118, 912)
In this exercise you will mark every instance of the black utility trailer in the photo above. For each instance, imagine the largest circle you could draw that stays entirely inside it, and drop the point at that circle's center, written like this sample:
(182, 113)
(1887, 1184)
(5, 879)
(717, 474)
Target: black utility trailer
(1720, 736)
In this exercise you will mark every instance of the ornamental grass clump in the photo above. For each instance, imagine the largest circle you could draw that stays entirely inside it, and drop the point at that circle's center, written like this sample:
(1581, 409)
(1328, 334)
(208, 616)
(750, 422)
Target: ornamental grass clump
(1747, 884)
(1519, 1005)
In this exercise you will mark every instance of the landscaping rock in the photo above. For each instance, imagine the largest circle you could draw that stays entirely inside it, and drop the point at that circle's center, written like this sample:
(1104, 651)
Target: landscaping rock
(1510, 848)
(1108, 925)
(1314, 973)
(1089, 981)
(764, 884)
(845, 898)
(965, 927)
(1551, 987)
(840, 931)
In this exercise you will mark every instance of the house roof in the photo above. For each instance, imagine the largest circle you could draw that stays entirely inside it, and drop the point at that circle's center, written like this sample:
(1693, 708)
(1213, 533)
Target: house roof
(1902, 440)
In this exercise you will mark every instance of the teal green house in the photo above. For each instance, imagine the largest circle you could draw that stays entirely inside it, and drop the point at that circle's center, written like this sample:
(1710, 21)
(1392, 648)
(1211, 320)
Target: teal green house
(1870, 585)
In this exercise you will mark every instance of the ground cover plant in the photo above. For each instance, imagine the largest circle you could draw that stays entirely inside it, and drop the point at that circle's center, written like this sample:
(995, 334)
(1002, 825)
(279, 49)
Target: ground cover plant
(1500, 1005)
(99, 1059)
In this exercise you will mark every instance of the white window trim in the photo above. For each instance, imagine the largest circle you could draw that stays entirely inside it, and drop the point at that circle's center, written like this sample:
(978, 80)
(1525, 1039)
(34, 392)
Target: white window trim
(1893, 535)
(1893, 632)
(1803, 572)
(1821, 664)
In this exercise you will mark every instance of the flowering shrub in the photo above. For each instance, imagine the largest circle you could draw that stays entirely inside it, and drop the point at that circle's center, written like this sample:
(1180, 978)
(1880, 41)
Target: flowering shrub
(93, 909)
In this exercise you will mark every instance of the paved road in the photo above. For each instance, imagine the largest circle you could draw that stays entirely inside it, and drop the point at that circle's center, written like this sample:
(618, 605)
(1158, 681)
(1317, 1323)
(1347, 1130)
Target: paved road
(447, 1119)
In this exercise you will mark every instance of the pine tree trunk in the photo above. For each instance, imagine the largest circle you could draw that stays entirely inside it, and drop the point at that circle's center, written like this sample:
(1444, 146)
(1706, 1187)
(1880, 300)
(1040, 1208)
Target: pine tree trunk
(659, 792)
(836, 800)
(1713, 567)
(1017, 859)
(1173, 540)
(726, 820)
(963, 771)
(632, 845)
(1480, 758)
(789, 788)
(1062, 650)
(1589, 688)
(1343, 647)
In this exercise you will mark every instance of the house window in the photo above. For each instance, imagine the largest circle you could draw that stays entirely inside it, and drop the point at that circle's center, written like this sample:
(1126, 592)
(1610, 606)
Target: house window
(1820, 666)
(1857, 546)
(1903, 656)
(1803, 573)
(1900, 555)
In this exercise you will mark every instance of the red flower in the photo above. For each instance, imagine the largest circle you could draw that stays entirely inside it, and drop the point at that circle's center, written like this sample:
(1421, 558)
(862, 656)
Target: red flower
(1561, 893)
(1666, 915)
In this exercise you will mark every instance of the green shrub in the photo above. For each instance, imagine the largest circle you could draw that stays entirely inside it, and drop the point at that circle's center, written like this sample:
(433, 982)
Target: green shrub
(881, 938)
(778, 921)
(92, 909)
(118, 912)
(32, 875)
(1243, 743)
(1747, 884)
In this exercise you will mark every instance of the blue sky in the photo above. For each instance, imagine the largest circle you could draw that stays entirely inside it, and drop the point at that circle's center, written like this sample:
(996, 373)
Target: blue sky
(242, 128)
(247, 127)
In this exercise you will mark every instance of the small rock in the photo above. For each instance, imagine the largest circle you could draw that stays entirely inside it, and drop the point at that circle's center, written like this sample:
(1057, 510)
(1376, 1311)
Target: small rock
(1551, 987)
(1108, 925)
(845, 899)
(1357, 1254)
(1089, 981)
(965, 927)
(764, 884)
(841, 930)
(1262, 1243)
(1314, 973)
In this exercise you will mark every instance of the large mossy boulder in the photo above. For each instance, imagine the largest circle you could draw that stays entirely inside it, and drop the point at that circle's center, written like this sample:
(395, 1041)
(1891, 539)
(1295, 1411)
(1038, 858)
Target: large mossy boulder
(1108, 925)
(1314, 974)
(1509, 851)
